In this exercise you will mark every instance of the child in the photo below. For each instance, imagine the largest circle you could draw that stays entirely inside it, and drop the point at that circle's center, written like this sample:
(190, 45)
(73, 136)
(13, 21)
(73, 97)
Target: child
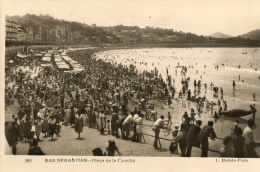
(98, 152)
(112, 148)
(174, 144)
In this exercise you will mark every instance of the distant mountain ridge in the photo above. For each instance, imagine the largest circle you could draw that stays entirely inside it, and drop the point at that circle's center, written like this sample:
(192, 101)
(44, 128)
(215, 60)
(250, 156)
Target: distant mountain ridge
(219, 35)
(253, 35)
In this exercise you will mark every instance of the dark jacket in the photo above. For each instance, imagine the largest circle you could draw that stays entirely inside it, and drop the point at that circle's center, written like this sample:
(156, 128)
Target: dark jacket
(239, 144)
(12, 135)
(192, 135)
(114, 118)
(206, 132)
(35, 150)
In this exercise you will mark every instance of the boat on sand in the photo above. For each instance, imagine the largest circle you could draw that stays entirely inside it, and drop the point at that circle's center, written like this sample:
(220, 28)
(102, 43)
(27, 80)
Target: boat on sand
(236, 113)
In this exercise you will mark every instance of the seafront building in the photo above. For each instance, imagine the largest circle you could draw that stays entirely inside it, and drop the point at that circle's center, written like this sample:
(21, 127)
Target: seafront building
(38, 33)
(11, 31)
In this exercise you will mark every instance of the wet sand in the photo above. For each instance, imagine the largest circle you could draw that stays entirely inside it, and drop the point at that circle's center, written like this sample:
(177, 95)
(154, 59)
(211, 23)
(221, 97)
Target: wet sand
(148, 59)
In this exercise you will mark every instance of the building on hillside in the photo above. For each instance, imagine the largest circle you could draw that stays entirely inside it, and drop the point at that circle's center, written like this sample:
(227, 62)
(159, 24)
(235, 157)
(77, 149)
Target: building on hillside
(130, 41)
(76, 37)
(147, 38)
(97, 39)
(124, 31)
(44, 33)
(22, 35)
(30, 37)
(52, 36)
(109, 39)
(68, 35)
(41, 32)
(60, 35)
(122, 38)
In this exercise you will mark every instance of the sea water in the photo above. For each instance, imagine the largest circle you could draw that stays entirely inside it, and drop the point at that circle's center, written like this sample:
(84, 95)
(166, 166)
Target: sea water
(204, 60)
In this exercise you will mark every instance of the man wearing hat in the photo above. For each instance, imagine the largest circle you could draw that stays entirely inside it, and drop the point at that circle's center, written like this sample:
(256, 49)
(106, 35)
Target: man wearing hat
(192, 137)
(207, 131)
(158, 124)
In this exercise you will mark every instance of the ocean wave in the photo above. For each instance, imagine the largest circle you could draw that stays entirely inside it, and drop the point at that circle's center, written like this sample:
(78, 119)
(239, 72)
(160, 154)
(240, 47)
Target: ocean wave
(243, 70)
(243, 100)
(248, 85)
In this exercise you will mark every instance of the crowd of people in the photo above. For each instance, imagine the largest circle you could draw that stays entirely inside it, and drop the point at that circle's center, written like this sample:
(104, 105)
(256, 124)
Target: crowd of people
(108, 96)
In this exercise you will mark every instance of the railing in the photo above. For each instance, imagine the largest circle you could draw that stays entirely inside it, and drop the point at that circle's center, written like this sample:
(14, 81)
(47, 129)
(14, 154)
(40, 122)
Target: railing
(162, 138)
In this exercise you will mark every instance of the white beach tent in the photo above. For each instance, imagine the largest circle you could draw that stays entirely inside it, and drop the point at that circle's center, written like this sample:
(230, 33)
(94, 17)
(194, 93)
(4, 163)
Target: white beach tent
(21, 55)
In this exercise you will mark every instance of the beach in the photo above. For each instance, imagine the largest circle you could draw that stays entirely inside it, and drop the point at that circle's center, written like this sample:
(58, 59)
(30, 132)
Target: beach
(201, 65)
(231, 58)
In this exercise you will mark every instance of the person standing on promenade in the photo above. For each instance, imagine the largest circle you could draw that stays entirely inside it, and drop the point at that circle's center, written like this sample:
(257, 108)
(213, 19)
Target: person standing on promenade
(174, 144)
(67, 116)
(35, 149)
(102, 121)
(192, 137)
(12, 135)
(249, 139)
(126, 126)
(139, 126)
(228, 150)
(45, 126)
(134, 123)
(114, 120)
(181, 140)
(119, 125)
(239, 143)
(206, 132)
(52, 126)
(158, 124)
(254, 97)
(27, 127)
(72, 116)
(38, 128)
(234, 128)
(79, 124)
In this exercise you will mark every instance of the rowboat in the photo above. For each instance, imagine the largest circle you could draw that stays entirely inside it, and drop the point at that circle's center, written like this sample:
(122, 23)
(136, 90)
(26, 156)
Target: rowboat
(236, 113)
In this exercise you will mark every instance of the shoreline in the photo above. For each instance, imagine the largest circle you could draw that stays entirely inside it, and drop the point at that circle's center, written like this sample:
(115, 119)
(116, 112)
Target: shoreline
(90, 52)
(158, 45)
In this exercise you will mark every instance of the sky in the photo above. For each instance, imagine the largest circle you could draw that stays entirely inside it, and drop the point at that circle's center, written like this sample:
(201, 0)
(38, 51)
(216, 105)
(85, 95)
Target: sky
(202, 17)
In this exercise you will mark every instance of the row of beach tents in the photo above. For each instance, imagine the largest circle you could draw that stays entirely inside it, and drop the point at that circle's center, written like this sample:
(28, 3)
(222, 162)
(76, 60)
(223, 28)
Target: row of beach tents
(62, 61)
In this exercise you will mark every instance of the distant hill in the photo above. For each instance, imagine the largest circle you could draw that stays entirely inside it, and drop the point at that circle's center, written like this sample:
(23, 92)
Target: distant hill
(254, 35)
(219, 35)
(45, 29)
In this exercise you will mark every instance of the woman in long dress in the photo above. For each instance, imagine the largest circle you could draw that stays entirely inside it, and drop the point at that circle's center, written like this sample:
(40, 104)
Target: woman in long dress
(45, 126)
(67, 116)
(38, 128)
(79, 124)
(52, 126)
(72, 116)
